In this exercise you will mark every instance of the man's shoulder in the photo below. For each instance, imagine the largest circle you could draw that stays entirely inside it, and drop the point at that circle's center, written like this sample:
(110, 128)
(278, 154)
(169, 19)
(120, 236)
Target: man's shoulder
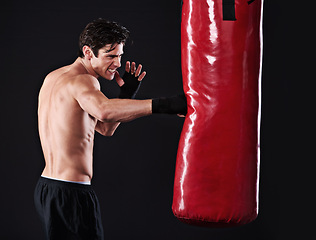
(74, 76)
(73, 79)
(84, 81)
(57, 72)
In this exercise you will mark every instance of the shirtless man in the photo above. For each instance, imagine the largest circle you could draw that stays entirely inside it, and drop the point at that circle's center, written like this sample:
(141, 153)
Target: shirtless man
(71, 108)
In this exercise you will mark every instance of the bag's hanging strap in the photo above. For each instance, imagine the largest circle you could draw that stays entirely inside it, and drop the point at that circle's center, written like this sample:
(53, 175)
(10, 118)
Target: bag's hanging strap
(229, 10)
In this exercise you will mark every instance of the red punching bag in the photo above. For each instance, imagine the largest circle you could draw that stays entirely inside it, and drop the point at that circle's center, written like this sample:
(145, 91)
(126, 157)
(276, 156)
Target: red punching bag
(217, 169)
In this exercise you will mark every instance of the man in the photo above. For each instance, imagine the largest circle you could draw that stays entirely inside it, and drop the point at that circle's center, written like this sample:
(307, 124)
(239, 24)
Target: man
(71, 108)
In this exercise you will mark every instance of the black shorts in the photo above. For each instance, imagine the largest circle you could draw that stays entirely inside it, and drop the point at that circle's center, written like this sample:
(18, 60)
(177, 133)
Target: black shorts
(68, 210)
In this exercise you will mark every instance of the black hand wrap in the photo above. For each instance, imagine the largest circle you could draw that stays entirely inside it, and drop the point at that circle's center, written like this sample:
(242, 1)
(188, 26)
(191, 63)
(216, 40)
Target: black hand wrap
(171, 105)
(130, 87)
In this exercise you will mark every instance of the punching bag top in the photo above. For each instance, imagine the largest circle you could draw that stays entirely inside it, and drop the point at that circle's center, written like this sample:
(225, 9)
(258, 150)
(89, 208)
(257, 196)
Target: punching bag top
(229, 9)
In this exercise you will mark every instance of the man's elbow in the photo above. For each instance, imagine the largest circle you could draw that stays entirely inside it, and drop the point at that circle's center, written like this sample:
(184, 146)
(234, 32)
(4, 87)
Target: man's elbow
(107, 129)
(108, 133)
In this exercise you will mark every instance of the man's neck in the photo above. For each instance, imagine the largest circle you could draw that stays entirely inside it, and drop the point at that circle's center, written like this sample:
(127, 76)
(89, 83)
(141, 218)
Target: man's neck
(87, 66)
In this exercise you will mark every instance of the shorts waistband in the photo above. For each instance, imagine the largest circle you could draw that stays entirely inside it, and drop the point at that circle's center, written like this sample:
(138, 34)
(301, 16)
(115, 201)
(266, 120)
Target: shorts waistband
(62, 183)
(84, 183)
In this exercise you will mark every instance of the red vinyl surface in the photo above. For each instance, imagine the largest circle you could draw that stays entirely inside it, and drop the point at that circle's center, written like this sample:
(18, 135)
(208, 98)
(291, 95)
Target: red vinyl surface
(217, 169)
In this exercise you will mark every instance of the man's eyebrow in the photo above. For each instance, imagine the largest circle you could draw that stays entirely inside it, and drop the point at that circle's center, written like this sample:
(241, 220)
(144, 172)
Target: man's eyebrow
(115, 55)
(113, 46)
(110, 50)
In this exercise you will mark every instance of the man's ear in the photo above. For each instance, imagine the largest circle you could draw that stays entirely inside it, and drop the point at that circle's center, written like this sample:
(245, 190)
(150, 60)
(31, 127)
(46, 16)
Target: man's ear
(87, 52)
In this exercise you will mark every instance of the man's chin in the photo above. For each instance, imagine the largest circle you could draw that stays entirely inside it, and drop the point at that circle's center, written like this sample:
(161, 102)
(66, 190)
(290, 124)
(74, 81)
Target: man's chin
(107, 77)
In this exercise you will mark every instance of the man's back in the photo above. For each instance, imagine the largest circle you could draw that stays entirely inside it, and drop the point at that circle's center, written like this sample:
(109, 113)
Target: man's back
(66, 130)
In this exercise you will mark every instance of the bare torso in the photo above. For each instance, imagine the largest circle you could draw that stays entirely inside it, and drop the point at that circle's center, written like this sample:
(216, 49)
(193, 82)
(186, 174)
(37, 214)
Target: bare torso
(72, 107)
(66, 130)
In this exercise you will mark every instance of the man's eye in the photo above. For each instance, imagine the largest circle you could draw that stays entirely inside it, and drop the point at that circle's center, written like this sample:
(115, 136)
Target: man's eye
(114, 56)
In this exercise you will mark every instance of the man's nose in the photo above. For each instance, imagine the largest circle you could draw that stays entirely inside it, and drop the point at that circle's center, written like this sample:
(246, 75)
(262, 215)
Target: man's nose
(117, 62)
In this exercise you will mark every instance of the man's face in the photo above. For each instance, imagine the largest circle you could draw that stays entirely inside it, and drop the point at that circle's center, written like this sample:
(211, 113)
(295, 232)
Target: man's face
(108, 60)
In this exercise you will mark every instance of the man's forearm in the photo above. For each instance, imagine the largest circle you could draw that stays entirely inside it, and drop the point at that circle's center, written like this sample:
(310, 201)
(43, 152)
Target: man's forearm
(125, 110)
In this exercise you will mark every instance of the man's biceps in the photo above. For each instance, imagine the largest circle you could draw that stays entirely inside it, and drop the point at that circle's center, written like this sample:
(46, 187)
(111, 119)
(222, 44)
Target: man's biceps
(91, 96)
(93, 104)
(85, 100)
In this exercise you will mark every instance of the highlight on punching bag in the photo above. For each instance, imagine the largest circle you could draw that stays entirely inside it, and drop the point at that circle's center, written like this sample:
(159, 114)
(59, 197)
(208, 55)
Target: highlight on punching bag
(217, 169)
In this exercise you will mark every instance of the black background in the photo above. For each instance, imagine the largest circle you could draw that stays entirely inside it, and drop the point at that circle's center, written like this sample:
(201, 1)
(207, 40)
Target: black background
(134, 169)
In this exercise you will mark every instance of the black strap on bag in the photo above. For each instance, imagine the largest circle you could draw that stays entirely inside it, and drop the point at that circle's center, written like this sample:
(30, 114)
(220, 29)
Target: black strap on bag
(229, 10)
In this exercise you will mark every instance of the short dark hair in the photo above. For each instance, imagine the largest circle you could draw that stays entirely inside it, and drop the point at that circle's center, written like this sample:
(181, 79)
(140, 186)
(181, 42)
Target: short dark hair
(101, 32)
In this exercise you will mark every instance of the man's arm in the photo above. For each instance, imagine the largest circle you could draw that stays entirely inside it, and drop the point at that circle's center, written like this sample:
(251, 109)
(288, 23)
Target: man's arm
(110, 111)
(129, 85)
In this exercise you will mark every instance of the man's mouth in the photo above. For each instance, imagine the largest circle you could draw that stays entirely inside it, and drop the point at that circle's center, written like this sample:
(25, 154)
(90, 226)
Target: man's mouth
(112, 70)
